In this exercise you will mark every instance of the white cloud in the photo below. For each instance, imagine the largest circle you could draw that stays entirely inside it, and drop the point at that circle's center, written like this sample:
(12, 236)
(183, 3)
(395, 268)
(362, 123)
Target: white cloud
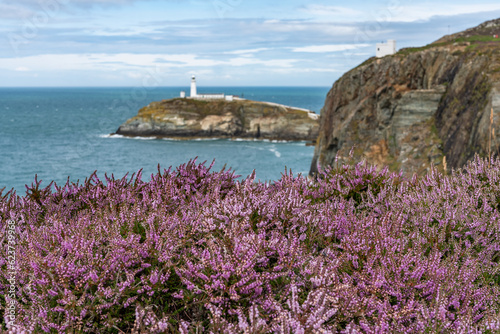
(134, 31)
(199, 73)
(134, 75)
(395, 11)
(424, 12)
(242, 61)
(329, 48)
(22, 69)
(285, 26)
(312, 28)
(336, 13)
(99, 61)
(305, 70)
(14, 12)
(131, 63)
(246, 51)
(84, 3)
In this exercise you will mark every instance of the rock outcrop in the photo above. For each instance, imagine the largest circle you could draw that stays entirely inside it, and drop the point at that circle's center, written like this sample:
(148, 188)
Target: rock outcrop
(411, 109)
(193, 118)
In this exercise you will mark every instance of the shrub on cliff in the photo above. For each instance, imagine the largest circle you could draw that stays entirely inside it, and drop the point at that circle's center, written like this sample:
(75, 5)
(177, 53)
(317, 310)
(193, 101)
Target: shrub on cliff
(357, 250)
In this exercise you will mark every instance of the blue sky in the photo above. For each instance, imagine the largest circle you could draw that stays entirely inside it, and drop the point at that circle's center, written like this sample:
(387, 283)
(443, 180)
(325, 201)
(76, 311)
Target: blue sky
(223, 42)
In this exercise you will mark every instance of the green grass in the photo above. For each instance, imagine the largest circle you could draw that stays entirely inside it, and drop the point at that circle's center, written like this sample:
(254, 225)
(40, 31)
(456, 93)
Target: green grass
(407, 51)
(471, 39)
(477, 38)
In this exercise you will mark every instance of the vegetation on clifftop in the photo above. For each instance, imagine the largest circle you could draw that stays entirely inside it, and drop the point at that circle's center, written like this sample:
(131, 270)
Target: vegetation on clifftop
(474, 41)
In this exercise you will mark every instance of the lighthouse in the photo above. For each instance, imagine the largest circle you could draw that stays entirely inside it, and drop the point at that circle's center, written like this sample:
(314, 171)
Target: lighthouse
(193, 87)
(194, 94)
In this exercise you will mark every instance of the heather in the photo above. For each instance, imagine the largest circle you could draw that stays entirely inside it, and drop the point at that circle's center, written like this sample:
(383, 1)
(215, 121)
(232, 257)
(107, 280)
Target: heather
(192, 250)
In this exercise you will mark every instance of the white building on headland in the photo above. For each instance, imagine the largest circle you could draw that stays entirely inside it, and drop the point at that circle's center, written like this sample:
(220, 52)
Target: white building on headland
(385, 49)
(194, 94)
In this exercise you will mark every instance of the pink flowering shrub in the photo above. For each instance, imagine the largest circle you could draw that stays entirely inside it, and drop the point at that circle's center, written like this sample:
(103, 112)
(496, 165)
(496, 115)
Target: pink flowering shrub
(357, 250)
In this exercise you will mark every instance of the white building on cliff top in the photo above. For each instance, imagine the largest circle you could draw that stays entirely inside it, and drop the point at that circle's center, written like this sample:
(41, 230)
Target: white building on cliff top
(194, 94)
(385, 49)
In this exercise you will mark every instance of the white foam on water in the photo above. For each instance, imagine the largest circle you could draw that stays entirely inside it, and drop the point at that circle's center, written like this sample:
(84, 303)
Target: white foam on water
(276, 153)
(246, 139)
(114, 135)
(171, 139)
(143, 138)
(205, 139)
(111, 135)
(194, 139)
(276, 141)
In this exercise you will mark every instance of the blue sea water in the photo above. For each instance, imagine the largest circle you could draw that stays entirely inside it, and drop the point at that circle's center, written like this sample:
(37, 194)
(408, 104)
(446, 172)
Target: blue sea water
(58, 133)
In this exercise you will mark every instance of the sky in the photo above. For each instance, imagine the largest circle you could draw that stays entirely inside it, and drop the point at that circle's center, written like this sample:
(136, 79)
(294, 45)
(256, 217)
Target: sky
(66, 43)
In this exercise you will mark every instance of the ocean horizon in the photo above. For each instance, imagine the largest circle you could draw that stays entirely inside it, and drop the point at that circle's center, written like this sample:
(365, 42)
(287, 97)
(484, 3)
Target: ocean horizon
(61, 132)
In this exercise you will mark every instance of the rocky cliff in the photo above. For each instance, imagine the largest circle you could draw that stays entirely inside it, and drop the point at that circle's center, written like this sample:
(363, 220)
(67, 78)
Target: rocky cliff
(192, 118)
(411, 109)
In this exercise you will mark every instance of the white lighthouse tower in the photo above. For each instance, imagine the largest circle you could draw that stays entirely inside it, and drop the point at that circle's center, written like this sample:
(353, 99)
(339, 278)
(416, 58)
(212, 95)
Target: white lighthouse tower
(193, 87)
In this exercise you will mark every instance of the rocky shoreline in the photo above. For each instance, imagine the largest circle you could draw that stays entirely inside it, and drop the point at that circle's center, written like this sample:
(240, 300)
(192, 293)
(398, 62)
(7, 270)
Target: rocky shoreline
(188, 119)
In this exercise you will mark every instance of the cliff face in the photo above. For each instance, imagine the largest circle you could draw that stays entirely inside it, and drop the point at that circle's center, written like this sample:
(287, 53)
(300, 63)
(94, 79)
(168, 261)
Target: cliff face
(411, 109)
(190, 118)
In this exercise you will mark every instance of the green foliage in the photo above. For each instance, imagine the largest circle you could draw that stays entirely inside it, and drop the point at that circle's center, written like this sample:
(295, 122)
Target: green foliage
(476, 38)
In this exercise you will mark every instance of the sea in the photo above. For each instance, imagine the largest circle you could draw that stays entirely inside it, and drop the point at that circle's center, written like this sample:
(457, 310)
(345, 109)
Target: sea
(61, 133)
